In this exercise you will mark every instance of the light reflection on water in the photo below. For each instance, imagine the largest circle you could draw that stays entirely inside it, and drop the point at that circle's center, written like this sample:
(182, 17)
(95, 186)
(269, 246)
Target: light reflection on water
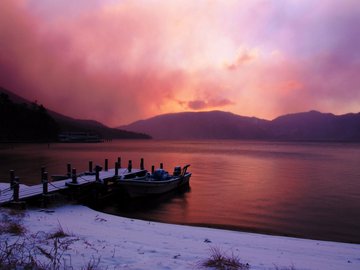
(302, 189)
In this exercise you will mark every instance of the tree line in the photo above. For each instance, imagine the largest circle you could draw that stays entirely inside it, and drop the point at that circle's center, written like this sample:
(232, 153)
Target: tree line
(25, 122)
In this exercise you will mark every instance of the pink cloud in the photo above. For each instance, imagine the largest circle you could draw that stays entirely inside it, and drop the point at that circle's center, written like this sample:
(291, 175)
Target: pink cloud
(117, 62)
(243, 58)
(69, 66)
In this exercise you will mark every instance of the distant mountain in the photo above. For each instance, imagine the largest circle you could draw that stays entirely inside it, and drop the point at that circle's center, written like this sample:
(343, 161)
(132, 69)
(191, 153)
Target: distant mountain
(70, 124)
(316, 126)
(66, 123)
(307, 126)
(201, 125)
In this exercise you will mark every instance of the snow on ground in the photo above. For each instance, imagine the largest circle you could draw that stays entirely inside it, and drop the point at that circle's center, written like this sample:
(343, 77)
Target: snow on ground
(122, 243)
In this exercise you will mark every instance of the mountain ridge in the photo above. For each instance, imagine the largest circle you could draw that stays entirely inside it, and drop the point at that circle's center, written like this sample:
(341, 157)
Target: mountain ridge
(304, 126)
(67, 123)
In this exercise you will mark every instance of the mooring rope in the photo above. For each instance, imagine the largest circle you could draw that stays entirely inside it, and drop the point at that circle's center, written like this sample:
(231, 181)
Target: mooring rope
(85, 179)
(51, 184)
(59, 187)
(3, 191)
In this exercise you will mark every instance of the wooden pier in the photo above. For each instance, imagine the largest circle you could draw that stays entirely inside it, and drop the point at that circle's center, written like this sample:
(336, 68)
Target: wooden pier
(16, 193)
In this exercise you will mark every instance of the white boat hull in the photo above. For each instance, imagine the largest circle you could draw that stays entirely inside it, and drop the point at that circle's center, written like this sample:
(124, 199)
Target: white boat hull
(149, 187)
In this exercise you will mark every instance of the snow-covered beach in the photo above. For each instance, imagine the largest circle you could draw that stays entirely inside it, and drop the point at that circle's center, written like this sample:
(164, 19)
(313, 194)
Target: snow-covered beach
(123, 243)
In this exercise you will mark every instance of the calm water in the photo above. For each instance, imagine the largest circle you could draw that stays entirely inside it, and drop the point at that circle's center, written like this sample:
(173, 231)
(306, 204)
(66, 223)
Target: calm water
(300, 189)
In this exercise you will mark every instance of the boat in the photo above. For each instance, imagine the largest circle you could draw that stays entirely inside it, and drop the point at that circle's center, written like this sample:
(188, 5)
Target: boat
(144, 184)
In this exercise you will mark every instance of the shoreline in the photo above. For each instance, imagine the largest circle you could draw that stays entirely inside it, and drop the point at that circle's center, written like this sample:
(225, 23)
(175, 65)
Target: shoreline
(125, 243)
(228, 227)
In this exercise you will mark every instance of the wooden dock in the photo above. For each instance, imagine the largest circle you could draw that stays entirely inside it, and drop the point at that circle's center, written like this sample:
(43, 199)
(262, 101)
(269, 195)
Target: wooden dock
(9, 194)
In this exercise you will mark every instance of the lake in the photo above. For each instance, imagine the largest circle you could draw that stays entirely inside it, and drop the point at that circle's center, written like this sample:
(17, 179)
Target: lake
(309, 190)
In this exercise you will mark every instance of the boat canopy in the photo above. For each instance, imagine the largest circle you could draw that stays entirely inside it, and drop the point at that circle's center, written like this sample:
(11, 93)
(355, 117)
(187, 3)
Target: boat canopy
(160, 174)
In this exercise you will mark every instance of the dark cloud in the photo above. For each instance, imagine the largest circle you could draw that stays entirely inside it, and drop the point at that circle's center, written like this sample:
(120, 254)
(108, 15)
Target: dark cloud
(208, 104)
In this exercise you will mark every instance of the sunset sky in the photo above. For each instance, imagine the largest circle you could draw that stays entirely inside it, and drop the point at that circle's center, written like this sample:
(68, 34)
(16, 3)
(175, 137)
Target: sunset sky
(117, 61)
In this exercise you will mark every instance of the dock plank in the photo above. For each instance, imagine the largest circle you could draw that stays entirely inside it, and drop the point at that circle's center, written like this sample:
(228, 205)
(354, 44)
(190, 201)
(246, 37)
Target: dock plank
(27, 192)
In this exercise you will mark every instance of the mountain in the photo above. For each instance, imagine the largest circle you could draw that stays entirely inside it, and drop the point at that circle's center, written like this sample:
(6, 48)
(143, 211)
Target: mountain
(70, 124)
(201, 125)
(66, 123)
(316, 126)
(306, 126)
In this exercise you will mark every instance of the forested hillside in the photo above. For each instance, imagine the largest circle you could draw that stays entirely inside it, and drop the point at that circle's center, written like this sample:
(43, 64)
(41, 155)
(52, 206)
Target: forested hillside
(25, 122)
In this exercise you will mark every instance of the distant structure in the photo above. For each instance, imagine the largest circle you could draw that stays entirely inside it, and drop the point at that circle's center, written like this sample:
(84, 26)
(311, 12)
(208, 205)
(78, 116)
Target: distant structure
(72, 136)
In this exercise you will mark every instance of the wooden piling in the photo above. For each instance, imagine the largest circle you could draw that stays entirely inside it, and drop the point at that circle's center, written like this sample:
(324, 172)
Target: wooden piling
(42, 173)
(90, 166)
(116, 168)
(119, 161)
(68, 166)
(141, 164)
(12, 179)
(161, 166)
(16, 189)
(16, 203)
(152, 169)
(97, 173)
(130, 166)
(45, 182)
(106, 165)
(74, 176)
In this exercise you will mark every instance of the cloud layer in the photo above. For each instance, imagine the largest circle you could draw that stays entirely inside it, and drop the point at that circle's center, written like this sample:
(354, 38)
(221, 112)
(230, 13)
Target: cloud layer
(119, 61)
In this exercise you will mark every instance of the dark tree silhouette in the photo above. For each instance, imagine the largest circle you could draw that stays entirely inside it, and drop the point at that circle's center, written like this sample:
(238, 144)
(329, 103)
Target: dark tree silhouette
(19, 122)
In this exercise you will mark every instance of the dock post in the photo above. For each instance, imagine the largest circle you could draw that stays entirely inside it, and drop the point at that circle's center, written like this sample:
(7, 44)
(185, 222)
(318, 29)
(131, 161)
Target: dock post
(42, 173)
(141, 164)
(16, 189)
(45, 182)
(119, 161)
(106, 165)
(12, 179)
(97, 173)
(73, 176)
(152, 169)
(68, 170)
(130, 166)
(116, 168)
(90, 166)
(161, 165)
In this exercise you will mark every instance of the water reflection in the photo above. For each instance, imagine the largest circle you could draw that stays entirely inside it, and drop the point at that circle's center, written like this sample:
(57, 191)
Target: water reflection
(310, 190)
